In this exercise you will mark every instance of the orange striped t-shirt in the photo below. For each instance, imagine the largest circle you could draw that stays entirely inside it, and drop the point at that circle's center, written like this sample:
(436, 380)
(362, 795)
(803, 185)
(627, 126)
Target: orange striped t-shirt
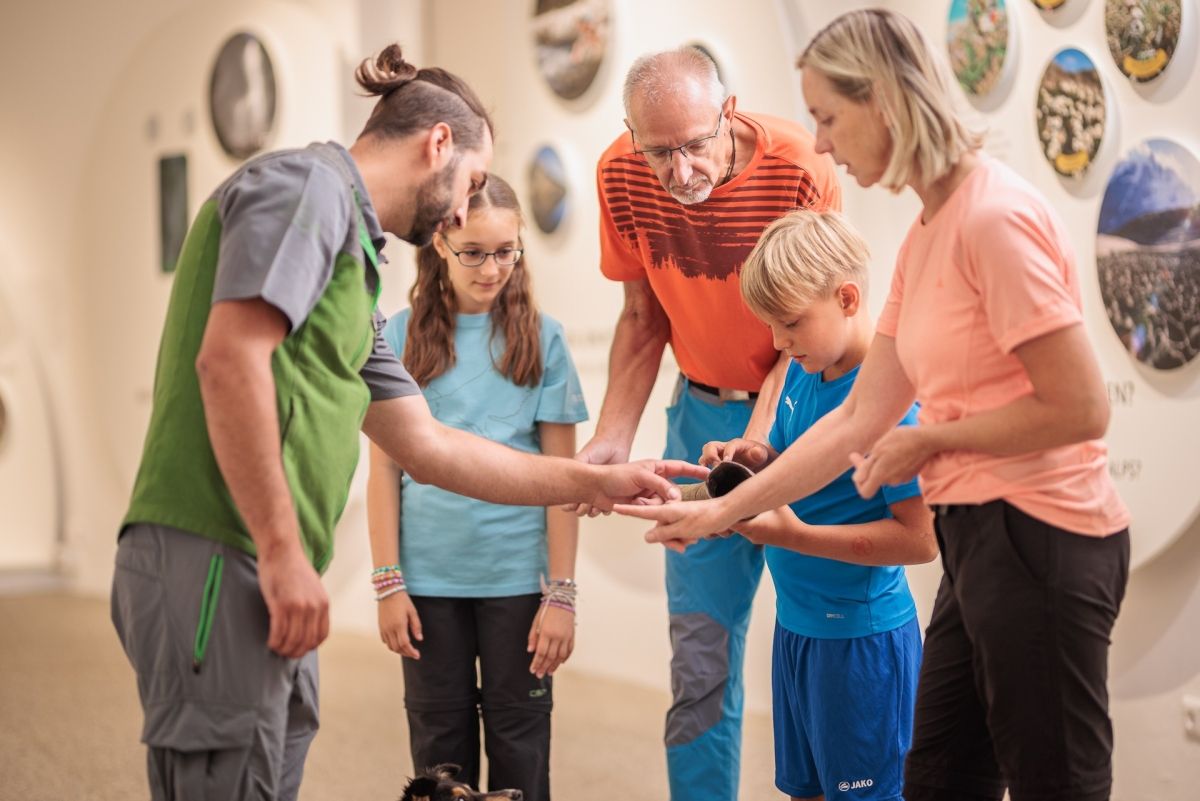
(692, 255)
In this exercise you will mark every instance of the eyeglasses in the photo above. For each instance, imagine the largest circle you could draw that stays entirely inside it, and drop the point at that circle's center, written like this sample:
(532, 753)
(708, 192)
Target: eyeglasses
(697, 148)
(474, 257)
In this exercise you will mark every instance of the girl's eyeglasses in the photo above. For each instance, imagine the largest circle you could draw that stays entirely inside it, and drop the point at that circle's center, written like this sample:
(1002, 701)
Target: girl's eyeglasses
(474, 257)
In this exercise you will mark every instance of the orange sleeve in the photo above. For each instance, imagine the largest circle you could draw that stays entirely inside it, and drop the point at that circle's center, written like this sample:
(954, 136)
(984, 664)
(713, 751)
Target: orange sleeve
(618, 262)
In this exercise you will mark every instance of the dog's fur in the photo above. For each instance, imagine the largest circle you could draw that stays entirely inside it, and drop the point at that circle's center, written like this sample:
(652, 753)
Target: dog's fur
(438, 784)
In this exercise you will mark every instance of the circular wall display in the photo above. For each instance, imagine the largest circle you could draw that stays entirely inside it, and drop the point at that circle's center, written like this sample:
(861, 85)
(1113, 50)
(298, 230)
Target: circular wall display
(1049, 5)
(978, 43)
(1148, 253)
(242, 96)
(548, 189)
(1142, 34)
(721, 74)
(571, 38)
(1070, 112)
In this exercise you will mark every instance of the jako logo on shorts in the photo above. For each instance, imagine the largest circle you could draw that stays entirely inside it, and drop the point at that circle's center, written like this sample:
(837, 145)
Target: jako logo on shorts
(857, 784)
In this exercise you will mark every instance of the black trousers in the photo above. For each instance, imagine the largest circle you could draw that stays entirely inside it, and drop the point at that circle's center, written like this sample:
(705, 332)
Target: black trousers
(473, 661)
(1013, 685)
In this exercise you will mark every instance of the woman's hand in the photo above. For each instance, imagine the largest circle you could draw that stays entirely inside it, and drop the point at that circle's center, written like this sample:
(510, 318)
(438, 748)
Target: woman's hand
(896, 458)
(551, 639)
(400, 625)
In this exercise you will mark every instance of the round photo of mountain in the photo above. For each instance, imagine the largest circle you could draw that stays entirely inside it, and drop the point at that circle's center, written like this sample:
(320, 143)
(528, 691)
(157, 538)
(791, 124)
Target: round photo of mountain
(978, 40)
(242, 96)
(571, 38)
(1148, 253)
(1070, 112)
(1142, 34)
(548, 189)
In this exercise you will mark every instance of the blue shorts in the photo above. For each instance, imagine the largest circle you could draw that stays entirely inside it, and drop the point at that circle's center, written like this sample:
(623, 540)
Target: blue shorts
(843, 711)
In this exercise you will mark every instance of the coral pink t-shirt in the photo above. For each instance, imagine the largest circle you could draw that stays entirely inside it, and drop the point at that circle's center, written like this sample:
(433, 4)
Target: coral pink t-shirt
(994, 269)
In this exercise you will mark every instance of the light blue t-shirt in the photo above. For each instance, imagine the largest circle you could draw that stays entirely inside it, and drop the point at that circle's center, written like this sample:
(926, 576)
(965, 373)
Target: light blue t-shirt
(826, 598)
(459, 547)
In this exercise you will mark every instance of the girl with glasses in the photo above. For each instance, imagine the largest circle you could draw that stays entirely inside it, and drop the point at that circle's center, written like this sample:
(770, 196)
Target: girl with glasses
(477, 597)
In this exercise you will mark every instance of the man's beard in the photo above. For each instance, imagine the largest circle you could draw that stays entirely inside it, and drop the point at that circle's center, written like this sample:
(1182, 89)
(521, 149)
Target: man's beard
(696, 192)
(434, 206)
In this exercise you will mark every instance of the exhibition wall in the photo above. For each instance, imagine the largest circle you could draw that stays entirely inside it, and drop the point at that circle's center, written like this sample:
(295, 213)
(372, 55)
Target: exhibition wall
(117, 94)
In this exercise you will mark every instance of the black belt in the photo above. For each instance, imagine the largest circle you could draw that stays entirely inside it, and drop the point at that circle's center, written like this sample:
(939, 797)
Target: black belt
(719, 394)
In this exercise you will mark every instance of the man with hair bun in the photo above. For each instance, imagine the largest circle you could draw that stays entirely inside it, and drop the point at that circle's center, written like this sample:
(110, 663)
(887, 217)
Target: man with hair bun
(271, 362)
(684, 194)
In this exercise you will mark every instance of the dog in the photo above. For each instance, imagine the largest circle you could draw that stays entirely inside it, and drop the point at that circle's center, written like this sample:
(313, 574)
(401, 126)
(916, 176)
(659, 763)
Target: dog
(438, 784)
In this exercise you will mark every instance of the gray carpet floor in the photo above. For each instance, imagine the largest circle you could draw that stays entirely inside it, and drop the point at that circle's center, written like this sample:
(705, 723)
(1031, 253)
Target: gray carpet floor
(69, 720)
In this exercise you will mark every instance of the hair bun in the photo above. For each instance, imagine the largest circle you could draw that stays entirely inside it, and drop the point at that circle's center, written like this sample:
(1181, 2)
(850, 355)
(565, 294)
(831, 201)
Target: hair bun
(387, 71)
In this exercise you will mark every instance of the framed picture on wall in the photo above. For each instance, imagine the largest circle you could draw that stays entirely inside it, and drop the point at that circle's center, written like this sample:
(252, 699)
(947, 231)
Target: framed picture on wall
(1071, 112)
(1148, 253)
(242, 96)
(172, 209)
(548, 190)
(979, 36)
(1049, 5)
(1142, 35)
(570, 38)
(722, 75)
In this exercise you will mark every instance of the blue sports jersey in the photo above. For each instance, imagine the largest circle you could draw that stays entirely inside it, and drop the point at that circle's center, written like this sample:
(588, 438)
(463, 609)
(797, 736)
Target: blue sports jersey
(819, 597)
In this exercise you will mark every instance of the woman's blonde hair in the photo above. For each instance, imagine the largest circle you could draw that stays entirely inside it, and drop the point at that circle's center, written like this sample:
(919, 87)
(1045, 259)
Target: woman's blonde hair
(801, 258)
(881, 54)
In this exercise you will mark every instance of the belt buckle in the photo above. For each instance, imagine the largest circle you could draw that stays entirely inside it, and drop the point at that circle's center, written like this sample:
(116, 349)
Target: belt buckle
(733, 394)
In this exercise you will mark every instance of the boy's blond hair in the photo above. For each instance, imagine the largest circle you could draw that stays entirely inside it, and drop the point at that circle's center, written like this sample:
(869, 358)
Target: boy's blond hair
(801, 258)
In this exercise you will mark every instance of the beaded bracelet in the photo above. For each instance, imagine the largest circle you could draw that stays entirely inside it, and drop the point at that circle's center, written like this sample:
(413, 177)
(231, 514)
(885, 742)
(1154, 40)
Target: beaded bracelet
(387, 580)
(390, 592)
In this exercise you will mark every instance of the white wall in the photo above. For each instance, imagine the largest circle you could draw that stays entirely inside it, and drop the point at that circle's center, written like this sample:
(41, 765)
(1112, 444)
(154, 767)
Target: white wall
(79, 81)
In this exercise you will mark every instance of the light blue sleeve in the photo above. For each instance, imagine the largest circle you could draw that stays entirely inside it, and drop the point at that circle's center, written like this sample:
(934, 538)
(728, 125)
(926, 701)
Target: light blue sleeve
(395, 332)
(561, 398)
(894, 493)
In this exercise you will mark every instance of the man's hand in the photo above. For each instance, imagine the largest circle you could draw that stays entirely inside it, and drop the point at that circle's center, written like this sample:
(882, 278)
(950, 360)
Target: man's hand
(551, 640)
(598, 451)
(297, 603)
(625, 483)
(678, 525)
(400, 625)
(748, 452)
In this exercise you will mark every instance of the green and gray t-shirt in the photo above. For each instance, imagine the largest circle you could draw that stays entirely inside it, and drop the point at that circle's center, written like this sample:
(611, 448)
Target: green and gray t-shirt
(297, 229)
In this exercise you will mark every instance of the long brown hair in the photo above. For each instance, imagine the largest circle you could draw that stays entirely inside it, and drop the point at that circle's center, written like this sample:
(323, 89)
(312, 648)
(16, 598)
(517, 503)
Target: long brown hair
(412, 99)
(429, 348)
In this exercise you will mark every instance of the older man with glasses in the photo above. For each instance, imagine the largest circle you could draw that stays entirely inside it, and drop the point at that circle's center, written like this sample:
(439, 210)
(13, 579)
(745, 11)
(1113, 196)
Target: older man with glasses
(684, 195)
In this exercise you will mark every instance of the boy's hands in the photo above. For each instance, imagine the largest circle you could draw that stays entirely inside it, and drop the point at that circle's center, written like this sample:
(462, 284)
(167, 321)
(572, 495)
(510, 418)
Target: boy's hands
(770, 527)
(551, 640)
(748, 452)
(397, 618)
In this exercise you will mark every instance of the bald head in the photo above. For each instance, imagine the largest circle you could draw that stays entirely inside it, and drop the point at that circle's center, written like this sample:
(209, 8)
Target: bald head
(684, 76)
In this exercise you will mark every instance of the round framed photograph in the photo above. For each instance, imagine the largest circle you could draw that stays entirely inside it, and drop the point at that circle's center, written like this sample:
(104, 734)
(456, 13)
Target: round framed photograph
(1049, 5)
(1142, 35)
(242, 96)
(978, 40)
(1148, 253)
(571, 39)
(1071, 112)
(548, 189)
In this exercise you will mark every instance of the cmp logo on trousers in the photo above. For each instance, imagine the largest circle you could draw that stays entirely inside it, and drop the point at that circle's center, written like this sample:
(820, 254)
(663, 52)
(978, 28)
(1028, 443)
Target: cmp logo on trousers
(857, 784)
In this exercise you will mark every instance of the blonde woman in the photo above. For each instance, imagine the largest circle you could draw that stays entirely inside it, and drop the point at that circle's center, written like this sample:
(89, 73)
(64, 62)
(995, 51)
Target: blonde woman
(983, 326)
